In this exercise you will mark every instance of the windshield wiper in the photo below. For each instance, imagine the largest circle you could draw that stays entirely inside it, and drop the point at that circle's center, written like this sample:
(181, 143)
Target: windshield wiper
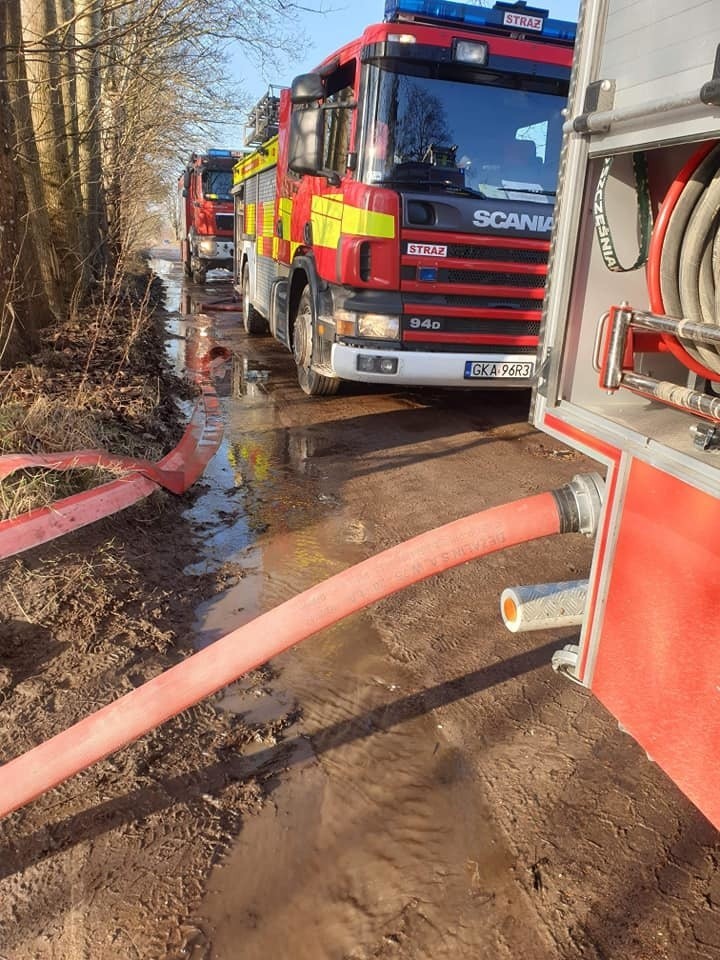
(439, 184)
(534, 193)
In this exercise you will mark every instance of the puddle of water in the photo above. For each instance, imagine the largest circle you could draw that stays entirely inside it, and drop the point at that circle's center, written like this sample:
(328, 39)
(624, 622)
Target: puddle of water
(374, 829)
(373, 841)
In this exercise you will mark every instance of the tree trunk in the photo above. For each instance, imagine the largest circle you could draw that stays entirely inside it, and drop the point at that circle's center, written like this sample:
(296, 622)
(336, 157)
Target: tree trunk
(23, 305)
(35, 228)
(48, 114)
(88, 86)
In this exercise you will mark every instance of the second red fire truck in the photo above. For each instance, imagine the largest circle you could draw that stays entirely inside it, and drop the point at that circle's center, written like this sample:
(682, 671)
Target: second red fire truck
(393, 222)
(206, 213)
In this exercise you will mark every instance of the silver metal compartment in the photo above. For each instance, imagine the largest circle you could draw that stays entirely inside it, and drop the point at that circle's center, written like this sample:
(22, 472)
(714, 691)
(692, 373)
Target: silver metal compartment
(633, 42)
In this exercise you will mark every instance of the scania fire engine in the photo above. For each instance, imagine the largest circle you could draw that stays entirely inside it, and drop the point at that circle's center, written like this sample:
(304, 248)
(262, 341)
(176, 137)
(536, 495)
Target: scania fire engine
(393, 222)
(629, 374)
(206, 213)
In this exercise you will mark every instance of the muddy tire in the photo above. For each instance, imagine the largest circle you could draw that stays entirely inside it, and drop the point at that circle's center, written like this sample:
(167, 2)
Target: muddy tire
(253, 321)
(312, 383)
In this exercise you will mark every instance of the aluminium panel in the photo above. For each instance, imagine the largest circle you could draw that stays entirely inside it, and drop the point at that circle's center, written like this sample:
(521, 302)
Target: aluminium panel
(653, 50)
(266, 185)
(265, 276)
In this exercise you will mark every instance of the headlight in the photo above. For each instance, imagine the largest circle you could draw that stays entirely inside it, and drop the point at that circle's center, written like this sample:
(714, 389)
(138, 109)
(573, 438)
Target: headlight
(378, 326)
(208, 247)
(468, 51)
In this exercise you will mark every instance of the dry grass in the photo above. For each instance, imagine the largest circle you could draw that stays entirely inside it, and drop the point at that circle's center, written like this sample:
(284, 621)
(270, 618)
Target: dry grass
(100, 381)
(47, 425)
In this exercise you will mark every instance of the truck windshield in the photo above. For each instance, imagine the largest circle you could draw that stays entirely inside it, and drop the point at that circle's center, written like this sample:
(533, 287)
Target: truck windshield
(462, 135)
(217, 184)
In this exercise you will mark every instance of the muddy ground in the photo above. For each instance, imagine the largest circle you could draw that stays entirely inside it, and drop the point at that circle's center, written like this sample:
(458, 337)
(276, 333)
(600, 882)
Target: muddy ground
(413, 783)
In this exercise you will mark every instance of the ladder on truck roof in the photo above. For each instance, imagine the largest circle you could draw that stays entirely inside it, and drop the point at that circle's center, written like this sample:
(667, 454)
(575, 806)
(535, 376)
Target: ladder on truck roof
(263, 120)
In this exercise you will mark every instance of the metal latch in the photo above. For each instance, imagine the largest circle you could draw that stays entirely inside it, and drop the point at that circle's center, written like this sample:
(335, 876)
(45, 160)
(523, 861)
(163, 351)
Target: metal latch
(599, 96)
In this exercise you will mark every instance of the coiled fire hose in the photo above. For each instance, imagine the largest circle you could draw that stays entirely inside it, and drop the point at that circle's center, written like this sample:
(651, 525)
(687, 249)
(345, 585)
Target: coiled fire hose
(684, 257)
(572, 508)
(681, 249)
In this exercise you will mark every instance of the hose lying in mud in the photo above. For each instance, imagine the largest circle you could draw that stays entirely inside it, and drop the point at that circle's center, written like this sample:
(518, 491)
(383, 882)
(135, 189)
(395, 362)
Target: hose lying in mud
(572, 508)
(176, 472)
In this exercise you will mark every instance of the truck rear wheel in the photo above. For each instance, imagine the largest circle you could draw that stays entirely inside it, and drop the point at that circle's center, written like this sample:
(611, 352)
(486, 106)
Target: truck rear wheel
(253, 321)
(312, 383)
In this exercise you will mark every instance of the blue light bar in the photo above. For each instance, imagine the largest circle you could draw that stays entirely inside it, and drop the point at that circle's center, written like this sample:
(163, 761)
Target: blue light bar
(219, 153)
(507, 17)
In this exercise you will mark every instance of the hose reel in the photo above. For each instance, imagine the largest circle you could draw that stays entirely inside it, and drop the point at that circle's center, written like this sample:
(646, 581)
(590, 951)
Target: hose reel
(684, 257)
(682, 252)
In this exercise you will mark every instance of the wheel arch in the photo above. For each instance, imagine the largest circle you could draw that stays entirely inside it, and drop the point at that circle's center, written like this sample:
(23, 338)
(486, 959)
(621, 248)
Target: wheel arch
(304, 273)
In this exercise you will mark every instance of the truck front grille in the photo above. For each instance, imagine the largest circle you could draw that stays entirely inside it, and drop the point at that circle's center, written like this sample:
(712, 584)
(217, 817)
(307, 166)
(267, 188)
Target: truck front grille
(467, 251)
(490, 289)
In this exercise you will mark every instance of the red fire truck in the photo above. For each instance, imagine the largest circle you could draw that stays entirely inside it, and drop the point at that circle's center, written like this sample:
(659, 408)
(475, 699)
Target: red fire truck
(396, 228)
(206, 213)
(629, 373)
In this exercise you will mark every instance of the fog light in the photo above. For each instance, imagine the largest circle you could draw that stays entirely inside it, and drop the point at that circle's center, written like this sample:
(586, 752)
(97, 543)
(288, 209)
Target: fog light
(367, 363)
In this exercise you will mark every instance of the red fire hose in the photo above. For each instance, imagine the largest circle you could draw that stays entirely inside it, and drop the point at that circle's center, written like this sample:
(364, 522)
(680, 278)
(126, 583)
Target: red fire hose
(572, 508)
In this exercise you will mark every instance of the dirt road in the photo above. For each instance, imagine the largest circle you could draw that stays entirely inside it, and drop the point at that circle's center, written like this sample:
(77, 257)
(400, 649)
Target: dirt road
(413, 783)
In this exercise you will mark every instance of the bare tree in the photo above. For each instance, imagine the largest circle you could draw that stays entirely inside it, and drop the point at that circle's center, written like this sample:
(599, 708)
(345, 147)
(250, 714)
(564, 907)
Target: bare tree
(23, 305)
(101, 99)
(424, 122)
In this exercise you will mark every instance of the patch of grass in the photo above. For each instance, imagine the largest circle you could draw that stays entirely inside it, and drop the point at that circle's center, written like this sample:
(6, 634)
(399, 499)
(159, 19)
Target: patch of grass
(47, 426)
(99, 381)
(28, 489)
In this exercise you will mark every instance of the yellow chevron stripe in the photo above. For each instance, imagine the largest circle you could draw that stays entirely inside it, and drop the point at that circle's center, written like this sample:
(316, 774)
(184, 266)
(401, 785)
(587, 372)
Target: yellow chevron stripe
(285, 206)
(327, 206)
(268, 216)
(261, 159)
(250, 211)
(367, 223)
(326, 220)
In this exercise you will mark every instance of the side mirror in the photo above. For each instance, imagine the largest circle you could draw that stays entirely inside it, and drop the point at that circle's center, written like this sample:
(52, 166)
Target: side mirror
(184, 192)
(306, 88)
(186, 182)
(306, 140)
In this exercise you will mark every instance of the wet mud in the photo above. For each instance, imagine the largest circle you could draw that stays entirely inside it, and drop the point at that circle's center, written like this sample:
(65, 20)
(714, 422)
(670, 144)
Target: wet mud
(376, 838)
(414, 782)
(440, 795)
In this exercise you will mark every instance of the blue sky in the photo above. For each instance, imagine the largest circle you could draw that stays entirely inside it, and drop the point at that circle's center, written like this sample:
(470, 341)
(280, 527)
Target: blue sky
(331, 30)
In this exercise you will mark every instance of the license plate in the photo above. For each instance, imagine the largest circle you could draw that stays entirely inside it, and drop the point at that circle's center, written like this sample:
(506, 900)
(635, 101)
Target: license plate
(499, 369)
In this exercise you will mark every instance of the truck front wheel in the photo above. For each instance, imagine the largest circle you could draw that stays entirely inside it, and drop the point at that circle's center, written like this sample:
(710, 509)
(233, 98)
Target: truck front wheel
(312, 383)
(253, 321)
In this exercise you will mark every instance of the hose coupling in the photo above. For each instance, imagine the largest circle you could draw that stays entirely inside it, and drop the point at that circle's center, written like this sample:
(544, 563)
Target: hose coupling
(579, 503)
